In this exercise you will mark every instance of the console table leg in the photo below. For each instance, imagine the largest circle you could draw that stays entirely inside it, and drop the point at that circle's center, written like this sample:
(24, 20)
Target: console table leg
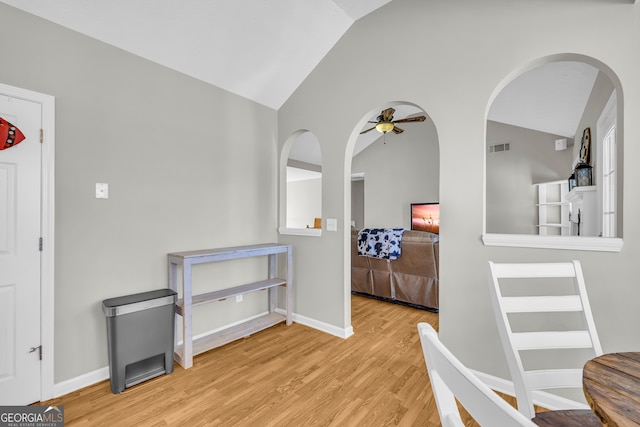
(173, 285)
(289, 284)
(187, 337)
(273, 303)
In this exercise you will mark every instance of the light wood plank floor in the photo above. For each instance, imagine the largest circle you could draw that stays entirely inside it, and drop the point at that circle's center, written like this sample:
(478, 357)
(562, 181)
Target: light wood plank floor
(284, 376)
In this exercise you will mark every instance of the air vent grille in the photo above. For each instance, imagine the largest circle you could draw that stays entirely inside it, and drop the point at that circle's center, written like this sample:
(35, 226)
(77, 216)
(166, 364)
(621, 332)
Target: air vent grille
(499, 147)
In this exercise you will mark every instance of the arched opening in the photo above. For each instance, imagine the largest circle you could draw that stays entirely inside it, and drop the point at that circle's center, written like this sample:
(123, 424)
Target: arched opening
(545, 124)
(385, 174)
(301, 186)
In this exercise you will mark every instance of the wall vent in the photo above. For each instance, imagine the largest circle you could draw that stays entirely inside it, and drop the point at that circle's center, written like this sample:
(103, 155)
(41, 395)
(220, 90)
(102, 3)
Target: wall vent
(499, 147)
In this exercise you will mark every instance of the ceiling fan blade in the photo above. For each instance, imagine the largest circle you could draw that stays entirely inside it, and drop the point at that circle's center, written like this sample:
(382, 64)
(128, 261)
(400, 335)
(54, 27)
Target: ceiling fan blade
(397, 130)
(387, 115)
(365, 131)
(411, 119)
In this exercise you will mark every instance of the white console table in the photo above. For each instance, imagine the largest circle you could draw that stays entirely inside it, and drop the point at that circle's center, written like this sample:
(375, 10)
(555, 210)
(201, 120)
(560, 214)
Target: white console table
(184, 353)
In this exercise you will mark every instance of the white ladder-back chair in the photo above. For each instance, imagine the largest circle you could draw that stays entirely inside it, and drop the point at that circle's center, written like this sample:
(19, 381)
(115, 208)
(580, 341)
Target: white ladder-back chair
(539, 281)
(450, 379)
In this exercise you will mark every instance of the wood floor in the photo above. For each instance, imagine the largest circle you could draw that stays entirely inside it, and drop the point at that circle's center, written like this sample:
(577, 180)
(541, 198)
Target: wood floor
(284, 376)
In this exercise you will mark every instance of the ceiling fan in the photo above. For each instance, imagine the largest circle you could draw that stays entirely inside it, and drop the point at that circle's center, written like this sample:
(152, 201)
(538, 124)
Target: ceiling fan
(385, 123)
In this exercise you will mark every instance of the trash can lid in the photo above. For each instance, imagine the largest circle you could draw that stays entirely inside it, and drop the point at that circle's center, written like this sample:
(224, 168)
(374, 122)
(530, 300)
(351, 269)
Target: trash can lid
(137, 302)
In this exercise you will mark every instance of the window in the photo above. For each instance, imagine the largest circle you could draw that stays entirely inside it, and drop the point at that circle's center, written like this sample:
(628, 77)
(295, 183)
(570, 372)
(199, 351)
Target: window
(608, 172)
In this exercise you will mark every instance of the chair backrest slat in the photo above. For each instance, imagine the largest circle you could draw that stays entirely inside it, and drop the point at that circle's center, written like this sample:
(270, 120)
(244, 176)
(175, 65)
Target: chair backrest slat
(514, 341)
(544, 304)
(551, 340)
(534, 270)
(554, 378)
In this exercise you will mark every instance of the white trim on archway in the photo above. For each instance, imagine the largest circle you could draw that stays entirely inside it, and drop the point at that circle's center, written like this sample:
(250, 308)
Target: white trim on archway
(346, 226)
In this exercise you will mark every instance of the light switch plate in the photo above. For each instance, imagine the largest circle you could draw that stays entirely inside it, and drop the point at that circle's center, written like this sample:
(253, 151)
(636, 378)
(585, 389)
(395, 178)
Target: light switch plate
(102, 191)
(332, 224)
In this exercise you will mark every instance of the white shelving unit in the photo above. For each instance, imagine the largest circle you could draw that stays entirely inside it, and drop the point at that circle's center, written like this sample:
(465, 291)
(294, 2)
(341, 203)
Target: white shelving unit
(553, 208)
(184, 353)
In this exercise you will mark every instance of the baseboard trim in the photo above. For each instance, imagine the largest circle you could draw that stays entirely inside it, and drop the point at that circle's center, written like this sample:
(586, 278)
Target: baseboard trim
(540, 398)
(82, 381)
(321, 326)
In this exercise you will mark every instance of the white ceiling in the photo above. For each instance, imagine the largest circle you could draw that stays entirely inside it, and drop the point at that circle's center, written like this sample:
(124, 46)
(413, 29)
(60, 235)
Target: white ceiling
(261, 50)
(550, 98)
(264, 50)
(298, 174)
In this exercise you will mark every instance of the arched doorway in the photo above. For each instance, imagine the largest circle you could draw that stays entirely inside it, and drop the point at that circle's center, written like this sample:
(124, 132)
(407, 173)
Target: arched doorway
(393, 170)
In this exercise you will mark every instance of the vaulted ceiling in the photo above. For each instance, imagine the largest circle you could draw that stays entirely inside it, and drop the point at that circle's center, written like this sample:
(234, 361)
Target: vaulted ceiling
(263, 50)
(550, 98)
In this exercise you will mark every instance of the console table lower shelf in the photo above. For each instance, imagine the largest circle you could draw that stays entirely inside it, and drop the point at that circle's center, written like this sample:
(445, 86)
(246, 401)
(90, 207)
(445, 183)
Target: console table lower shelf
(228, 335)
(190, 347)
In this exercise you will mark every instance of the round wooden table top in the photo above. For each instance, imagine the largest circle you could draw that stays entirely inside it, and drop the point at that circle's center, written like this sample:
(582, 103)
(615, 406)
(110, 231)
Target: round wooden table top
(611, 385)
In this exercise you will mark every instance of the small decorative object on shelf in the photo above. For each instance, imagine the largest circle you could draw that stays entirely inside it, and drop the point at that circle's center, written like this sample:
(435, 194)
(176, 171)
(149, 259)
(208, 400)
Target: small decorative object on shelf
(572, 181)
(585, 146)
(583, 173)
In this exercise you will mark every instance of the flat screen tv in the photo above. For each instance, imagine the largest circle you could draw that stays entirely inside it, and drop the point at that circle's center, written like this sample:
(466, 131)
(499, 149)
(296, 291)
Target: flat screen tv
(425, 217)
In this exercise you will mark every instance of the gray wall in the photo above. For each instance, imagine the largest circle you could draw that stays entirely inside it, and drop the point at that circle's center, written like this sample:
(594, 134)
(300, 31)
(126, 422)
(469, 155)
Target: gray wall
(399, 170)
(532, 159)
(451, 59)
(148, 132)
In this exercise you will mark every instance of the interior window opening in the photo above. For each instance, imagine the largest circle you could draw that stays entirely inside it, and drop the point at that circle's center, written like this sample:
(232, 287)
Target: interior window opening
(552, 158)
(302, 190)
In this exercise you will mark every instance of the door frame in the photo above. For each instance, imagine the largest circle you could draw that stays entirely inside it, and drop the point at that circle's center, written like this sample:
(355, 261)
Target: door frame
(47, 229)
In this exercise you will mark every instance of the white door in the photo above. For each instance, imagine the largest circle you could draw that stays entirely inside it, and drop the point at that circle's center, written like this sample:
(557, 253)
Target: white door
(20, 210)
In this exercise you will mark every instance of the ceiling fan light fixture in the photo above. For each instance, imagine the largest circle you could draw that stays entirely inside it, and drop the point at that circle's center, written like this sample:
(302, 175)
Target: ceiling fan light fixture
(384, 127)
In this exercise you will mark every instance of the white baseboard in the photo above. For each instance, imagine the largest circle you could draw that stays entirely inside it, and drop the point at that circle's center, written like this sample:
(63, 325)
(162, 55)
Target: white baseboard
(324, 327)
(82, 381)
(321, 326)
(540, 398)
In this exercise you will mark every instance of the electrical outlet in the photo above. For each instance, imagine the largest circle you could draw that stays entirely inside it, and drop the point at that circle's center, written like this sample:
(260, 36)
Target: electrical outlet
(238, 298)
(102, 191)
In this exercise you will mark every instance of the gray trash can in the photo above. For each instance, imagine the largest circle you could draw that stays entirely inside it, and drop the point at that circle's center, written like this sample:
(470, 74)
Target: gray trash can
(140, 331)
